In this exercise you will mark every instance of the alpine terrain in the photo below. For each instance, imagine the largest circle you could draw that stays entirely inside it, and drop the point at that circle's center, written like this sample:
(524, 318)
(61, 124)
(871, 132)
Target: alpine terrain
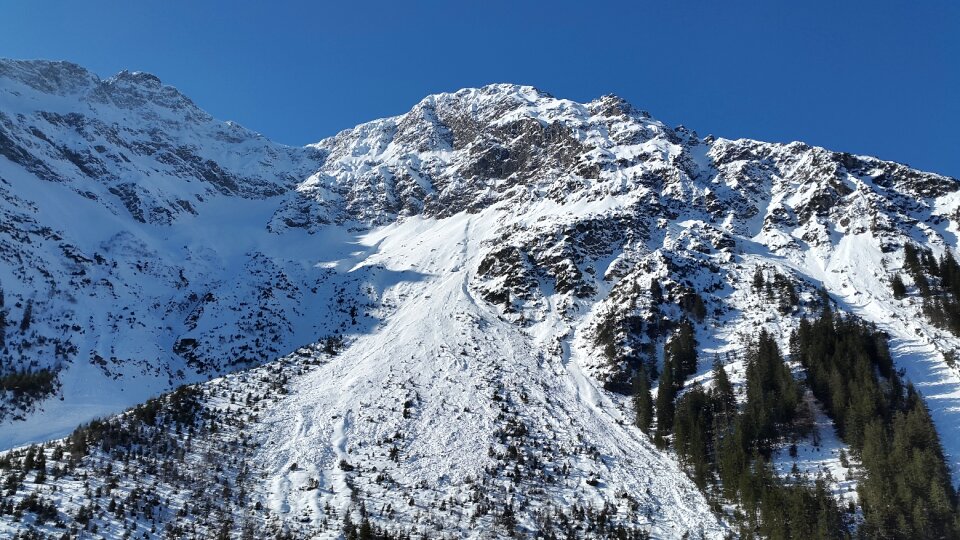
(501, 314)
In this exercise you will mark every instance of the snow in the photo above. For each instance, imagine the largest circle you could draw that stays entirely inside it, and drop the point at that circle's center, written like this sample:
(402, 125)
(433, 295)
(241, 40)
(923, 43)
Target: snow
(818, 456)
(446, 353)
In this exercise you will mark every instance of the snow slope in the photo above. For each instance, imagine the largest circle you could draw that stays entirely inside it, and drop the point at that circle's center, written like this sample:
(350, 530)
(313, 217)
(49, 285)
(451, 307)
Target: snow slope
(444, 355)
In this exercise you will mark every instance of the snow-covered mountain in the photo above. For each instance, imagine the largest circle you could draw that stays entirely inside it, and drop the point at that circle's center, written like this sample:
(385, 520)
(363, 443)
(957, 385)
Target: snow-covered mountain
(459, 297)
(133, 230)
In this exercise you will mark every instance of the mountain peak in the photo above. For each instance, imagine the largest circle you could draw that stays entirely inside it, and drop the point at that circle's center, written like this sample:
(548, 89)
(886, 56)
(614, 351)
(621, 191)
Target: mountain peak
(49, 76)
(138, 77)
(131, 89)
(502, 89)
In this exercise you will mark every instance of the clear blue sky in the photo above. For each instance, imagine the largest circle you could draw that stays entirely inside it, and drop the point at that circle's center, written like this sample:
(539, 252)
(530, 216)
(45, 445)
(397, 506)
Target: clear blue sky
(879, 77)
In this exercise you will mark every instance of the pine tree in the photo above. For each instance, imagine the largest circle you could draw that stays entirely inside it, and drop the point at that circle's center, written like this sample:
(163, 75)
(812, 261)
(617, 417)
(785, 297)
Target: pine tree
(349, 529)
(923, 284)
(40, 462)
(723, 394)
(682, 352)
(29, 459)
(656, 292)
(692, 433)
(826, 312)
(666, 391)
(642, 400)
(949, 272)
(27, 316)
(366, 530)
(910, 260)
(758, 279)
(699, 310)
(772, 394)
(899, 289)
(930, 262)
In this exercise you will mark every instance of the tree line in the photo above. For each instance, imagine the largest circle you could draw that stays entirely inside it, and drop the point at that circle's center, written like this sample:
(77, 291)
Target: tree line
(936, 281)
(907, 490)
(726, 448)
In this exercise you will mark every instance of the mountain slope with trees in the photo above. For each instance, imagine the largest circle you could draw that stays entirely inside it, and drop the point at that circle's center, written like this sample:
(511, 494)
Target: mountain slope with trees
(501, 311)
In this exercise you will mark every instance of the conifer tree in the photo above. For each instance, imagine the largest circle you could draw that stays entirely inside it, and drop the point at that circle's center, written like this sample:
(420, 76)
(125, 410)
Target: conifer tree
(699, 310)
(723, 396)
(27, 316)
(666, 391)
(692, 433)
(366, 530)
(899, 289)
(772, 394)
(681, 350)
(656, 292)
(923, 284)
(758, 279)
(642, 400)
(349, 529)
(910, 260)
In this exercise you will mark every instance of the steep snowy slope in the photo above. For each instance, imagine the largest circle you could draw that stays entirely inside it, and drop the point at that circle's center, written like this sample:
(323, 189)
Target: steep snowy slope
(487, 259)
(605, 199)
(444, 395)
(133, 247)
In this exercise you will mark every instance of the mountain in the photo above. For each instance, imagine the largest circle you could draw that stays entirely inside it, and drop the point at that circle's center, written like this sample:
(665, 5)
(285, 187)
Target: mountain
(431, 323)
(127, 217)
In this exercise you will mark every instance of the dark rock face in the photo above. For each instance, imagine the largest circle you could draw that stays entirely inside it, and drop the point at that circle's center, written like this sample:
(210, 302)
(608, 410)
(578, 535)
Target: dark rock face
(473, 149)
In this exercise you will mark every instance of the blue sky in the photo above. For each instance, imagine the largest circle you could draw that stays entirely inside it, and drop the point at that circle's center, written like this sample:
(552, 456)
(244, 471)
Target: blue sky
(878, 78)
